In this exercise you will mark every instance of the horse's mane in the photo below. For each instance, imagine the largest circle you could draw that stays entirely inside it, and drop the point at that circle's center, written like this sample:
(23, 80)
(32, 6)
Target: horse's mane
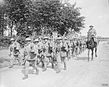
(92, 38)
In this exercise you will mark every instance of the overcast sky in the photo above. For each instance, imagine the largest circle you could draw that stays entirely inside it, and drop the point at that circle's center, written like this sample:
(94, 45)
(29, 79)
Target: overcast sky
(96, 13)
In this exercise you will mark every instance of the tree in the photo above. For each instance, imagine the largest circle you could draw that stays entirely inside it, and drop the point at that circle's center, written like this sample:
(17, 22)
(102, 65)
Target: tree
(71, 18)
(2, 20)
(57, 16)
(18, 14)
(47, 15)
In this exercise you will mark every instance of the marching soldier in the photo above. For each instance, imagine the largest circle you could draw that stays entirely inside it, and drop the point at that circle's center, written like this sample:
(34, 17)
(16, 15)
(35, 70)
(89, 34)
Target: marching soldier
(45, 49)
(30, 57)
(11, 47)
(14, 52)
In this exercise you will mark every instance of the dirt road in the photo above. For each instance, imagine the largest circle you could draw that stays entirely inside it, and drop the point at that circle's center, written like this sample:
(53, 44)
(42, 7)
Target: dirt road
(79, 73)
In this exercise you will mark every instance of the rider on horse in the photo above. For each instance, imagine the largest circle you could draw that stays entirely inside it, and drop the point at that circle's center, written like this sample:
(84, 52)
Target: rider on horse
(91, 42)
(91, 33)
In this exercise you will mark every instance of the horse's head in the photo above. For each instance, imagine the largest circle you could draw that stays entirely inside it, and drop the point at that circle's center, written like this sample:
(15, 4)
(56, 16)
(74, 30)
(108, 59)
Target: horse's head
(90, 43)
(92, 39)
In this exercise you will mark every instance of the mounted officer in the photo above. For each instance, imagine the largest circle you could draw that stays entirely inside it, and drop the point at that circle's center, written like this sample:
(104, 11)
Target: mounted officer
(91, 33)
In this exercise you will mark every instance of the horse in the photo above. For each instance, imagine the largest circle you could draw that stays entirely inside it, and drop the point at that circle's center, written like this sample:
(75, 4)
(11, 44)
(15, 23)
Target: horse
(91, 45)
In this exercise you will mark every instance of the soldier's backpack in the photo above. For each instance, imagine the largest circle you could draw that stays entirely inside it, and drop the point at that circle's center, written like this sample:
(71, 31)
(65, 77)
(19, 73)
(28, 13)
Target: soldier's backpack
(16, 51)
(50, 50)
(63, 48)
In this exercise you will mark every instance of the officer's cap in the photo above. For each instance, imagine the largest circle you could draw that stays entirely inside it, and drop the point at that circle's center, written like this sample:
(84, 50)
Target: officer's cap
(91, 26)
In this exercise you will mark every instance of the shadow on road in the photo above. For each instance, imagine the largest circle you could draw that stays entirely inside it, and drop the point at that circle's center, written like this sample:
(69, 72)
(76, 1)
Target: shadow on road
(4, 62)
(82, 58)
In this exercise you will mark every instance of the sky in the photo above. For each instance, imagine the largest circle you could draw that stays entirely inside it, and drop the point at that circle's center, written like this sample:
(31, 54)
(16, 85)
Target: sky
(1, 2)
(96, 13)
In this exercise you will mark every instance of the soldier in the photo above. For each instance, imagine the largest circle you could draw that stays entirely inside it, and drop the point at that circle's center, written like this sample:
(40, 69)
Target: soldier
(91, 33)
(30, 57)
(36, 41)
(11, 47)
(68, 48)
(14, 52)
(41, 53)
(58, 56)
(44, 52)
(49, 54)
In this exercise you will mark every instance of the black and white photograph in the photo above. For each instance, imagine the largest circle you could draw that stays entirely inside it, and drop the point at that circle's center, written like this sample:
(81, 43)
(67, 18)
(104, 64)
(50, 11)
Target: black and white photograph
(54, 43)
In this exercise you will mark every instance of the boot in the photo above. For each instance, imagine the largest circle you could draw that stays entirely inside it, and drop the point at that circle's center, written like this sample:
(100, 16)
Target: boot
(25, 77)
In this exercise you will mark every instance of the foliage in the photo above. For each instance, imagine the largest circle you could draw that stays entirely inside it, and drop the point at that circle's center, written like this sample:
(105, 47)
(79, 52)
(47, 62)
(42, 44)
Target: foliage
(17, 11)
(2, 20)
(5, 41)
(57, 16)
(47, 15)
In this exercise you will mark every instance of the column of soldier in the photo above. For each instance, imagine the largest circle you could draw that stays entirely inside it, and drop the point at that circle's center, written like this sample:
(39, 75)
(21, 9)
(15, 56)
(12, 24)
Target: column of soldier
(43, 53)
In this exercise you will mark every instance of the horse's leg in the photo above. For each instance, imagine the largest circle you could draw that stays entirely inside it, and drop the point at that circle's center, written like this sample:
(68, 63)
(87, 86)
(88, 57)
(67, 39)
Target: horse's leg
(88, 53)
(76, 51)
(92, 53)
(72, 51)
(64, 64)
(53, 62)
(96, 52)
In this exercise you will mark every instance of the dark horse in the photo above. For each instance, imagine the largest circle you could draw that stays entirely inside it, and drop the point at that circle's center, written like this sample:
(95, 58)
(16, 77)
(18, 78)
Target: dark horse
(91, 45)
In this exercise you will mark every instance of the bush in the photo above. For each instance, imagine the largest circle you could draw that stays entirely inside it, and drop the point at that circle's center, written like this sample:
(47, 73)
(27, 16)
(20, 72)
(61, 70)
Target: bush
(5, 41)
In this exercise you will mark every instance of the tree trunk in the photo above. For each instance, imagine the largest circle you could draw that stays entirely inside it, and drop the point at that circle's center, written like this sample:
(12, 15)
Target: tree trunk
(2, 32)
(11, 28)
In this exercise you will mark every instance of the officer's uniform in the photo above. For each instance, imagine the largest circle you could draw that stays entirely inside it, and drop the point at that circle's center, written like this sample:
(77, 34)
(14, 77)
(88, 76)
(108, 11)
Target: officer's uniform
(91, 32)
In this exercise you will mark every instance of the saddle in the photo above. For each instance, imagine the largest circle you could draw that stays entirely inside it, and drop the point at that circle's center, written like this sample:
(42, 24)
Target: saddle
(91, 43)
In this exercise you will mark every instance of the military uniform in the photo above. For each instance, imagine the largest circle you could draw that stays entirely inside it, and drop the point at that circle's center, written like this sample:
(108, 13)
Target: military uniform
(30, 58)
(14, 53)
(91, 33)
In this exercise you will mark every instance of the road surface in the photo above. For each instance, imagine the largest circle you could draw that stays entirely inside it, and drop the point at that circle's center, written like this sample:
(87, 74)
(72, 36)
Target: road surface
(79, 73)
